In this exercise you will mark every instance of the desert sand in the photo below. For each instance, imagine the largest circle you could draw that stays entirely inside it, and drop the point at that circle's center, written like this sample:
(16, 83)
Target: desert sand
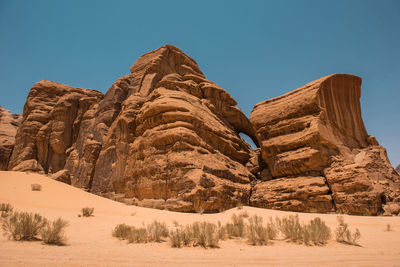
(90, 242)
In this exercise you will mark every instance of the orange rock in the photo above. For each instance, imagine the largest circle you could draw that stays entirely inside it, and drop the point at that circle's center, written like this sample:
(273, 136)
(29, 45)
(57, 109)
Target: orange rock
(9, 124)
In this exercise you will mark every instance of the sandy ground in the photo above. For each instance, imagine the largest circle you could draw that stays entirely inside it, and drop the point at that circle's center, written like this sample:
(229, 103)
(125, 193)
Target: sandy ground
(90, 242)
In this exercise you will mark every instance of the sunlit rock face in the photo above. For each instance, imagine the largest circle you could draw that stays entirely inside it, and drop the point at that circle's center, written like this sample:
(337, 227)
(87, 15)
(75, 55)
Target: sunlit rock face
(313, 140)
(165, 137)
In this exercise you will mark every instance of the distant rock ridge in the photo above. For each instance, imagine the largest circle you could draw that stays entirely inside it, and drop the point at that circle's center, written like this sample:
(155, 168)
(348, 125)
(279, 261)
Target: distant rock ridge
(9, 124)
(165, 137)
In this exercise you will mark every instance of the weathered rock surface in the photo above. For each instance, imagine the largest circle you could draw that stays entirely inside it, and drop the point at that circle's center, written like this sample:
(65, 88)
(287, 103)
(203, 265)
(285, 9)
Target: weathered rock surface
(317, 131)
(398, 169)
(8, 128)
(50, 125)
(165, 137)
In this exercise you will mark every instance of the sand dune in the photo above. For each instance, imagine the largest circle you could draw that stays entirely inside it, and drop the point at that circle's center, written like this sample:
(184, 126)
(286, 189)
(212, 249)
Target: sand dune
(90, 242)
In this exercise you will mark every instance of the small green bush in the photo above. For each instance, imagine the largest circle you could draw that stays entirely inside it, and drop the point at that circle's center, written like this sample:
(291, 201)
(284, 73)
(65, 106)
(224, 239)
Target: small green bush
(344, 235)
(53, 232)
(87, 211)
(23, 225)
(36, 187)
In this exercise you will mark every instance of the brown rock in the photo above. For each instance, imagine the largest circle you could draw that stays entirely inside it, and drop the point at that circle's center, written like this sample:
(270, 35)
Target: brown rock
(317, 131)
(167, 137)
(51, 122)
(9, 124)
(398, 169)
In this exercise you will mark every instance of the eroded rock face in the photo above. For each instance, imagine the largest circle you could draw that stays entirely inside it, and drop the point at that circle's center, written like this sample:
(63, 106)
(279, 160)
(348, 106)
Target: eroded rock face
(50, 125)
(314, 138)
(8, 128)
(165, 137)
(398, 169)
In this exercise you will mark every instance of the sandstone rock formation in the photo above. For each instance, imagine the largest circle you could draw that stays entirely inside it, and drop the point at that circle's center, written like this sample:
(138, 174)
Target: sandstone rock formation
(165, 137)
(8, 128)
(318, 152)
(398, 168)
(50, 125)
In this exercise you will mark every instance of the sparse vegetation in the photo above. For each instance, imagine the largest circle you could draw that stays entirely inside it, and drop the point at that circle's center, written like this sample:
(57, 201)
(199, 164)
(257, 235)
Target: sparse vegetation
(53, 232)
(344, 235)
(316, 232)
(176, 224)
(138, 235)
(291, 228)
(388, 228)
(87, 211)
(255, 231)
(156, 231)
(36, 187)
(236, 228)
(121, 231)
(239, 205)
(244, 214)
(5, 209)
(23, 225)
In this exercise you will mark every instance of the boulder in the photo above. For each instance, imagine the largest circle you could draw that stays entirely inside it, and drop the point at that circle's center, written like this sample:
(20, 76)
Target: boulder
(9, 124)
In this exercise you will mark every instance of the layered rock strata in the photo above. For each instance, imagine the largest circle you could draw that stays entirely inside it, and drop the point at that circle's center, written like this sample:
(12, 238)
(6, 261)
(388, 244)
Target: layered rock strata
(165, 137)
(313, 140)
(9, 124)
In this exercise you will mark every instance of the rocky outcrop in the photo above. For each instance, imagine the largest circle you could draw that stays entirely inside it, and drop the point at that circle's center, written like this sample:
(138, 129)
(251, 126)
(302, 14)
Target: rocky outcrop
(51, 122)
(314, 138)
(165, 137)
(398, 169)
(8, 128)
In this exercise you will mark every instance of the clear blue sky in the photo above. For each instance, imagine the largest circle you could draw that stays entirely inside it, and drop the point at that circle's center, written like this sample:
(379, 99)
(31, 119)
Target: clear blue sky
(254, 49)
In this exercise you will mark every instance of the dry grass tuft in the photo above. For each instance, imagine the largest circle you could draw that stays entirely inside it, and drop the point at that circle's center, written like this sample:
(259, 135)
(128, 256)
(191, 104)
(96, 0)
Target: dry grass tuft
(291, 228)
(36, 187)
(121, 231)
(23, 225)
(156, 231)
(53, 232)
(344, 235)
(5, 209)
(87, 211)
(236, 228)
(255, 231)
(316, 232)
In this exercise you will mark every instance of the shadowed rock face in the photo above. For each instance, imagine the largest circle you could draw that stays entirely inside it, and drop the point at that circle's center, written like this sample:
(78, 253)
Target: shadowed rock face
(8, 128)
(164, 136)
(398, 168)
(313, 140)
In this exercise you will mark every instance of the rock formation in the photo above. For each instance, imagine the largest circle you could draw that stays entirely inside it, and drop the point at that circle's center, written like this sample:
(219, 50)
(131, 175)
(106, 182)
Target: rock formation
(165, 137)
(398, 169)
(8, 127)
(318, 152)
(51, 122)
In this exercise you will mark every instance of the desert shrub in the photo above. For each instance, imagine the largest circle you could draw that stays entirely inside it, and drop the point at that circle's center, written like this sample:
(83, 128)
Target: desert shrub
(87, 211)
(138, 235)
(239, 205)
(200, 210)
(272, 229)
(176, 223)
(36, 187)
(53, 232)
(121, 231)
(316, 232)
(187, 236)
(388, 228)
(205, 234)
(291, 228)
(176, 238)
(6, 209)
(344, 235)
(256, 233)
(221, 229)
(23, 225)
(236, 227)
(156, 231)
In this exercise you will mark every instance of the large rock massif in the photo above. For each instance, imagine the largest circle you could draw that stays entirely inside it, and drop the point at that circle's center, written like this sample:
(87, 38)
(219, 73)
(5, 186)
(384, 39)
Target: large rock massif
(9, 124)
(164, 136)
